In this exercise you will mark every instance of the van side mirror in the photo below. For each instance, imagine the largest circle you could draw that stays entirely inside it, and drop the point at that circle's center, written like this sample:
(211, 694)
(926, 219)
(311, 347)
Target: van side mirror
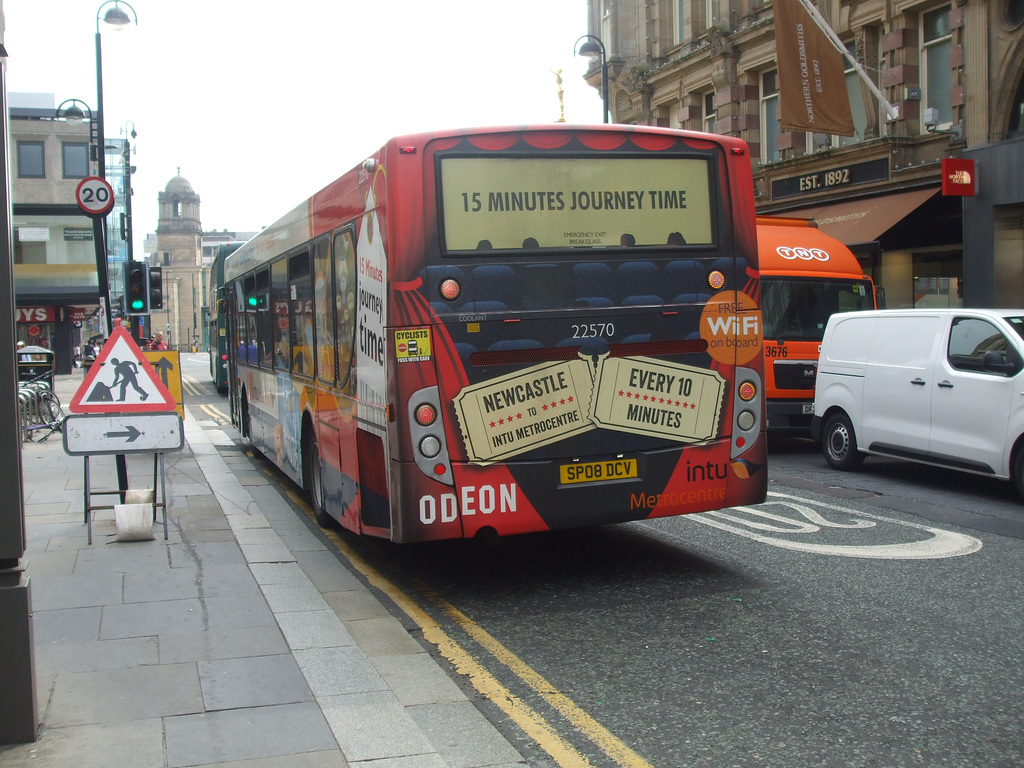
(996, 361)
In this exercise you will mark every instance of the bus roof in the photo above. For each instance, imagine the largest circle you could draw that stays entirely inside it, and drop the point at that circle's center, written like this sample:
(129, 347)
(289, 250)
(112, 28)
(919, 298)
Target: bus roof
(796, 247)
(343, 199)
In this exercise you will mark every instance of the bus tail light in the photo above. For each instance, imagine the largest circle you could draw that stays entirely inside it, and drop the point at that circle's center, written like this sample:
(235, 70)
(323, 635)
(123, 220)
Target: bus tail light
(747, 407)
(426, 431)
(425, 414)
(450, 289)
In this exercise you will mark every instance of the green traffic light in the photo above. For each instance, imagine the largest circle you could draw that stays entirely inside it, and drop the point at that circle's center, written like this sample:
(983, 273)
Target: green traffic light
(252, 301)
(138, 304)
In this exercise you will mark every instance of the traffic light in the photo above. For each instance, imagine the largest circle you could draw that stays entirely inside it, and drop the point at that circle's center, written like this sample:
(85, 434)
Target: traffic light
(136, 288)
(156, 288)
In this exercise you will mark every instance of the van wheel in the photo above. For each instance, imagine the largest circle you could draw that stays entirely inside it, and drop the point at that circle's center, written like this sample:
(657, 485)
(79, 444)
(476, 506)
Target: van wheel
(840, 444)
(1018, 472)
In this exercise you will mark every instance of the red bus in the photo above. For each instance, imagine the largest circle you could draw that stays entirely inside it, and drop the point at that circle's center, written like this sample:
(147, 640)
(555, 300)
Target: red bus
(508, 330)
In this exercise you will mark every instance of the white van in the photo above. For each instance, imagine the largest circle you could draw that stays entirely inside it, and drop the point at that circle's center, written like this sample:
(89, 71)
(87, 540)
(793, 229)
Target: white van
(939, 386)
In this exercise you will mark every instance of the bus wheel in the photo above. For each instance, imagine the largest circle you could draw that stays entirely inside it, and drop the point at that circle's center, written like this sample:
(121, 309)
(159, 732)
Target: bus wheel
(840, 444)
(315, 483)
(244, 426)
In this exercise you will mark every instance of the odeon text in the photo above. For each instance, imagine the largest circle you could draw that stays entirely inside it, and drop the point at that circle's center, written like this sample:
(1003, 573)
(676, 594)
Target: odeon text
(485, 499)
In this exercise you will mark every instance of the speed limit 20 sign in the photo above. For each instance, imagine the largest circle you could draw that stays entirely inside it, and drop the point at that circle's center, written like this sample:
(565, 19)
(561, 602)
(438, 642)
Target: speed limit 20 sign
(95, 195)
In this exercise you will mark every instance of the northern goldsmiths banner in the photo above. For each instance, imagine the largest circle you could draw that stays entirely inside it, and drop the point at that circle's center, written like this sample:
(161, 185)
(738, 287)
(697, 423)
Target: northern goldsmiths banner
(812, 81)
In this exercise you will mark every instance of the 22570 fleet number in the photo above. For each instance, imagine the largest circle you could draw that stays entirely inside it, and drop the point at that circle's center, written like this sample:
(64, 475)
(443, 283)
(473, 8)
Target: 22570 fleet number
(593, 331)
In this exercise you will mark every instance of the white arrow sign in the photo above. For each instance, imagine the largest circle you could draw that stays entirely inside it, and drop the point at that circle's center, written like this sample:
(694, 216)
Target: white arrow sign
(87, 434)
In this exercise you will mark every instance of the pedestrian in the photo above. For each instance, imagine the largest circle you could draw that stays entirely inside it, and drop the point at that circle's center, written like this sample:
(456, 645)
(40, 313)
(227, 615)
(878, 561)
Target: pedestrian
(158, 342)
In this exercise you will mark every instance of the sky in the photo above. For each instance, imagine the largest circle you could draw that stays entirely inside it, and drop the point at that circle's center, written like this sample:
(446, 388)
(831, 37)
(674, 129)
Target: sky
(261, 104)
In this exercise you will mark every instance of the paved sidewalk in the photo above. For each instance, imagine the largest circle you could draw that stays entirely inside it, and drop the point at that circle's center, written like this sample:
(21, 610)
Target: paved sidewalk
(240, 641)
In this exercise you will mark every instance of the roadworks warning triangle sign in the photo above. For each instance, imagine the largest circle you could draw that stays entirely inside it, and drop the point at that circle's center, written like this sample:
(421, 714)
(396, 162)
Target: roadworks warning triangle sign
(121, 381)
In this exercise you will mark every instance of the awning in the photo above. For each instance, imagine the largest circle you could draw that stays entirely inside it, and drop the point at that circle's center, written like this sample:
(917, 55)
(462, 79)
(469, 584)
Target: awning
(861, 221)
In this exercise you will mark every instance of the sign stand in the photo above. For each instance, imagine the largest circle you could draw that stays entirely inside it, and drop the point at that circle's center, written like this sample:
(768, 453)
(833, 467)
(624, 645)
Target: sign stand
(159, 498)
(97, 434)
(122, 407)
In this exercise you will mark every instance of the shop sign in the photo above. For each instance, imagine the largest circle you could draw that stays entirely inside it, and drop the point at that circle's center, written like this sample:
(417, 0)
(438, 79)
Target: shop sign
(34, 314)
(958, 177)
(831, 179)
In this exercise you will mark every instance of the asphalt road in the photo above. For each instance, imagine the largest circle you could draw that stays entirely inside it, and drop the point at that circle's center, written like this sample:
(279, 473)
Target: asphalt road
(863, 619)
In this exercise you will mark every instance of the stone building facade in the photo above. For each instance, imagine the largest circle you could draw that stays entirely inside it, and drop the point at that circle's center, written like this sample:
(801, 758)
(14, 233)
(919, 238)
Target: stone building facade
(954, 71)
(54, 244)
(179, 238)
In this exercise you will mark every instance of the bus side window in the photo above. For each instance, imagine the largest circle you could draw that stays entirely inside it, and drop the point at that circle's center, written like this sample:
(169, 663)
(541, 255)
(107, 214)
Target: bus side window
(279, 311)
(262, 329)
(301, 293)
(344, 301)
(323, 312)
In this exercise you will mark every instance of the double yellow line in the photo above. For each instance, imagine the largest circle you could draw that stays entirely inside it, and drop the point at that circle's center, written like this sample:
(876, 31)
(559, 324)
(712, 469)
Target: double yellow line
(191, 386)
(530, 721)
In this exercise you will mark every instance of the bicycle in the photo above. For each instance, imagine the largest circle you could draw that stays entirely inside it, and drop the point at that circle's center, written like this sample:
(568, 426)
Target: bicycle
(40, 409)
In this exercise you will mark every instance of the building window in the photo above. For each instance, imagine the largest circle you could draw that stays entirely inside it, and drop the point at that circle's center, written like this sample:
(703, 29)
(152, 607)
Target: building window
(1017, 111)
(678, 22)
(31, 162)
(856, 94)
(708, 116)
(936, 45)
(770, 117)
(673, 115)
(76, 160)
(1015, 13)
(606, 28)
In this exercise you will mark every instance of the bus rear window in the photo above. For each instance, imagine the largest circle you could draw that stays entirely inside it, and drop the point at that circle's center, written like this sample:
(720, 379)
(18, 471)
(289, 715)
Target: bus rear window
(529, 203)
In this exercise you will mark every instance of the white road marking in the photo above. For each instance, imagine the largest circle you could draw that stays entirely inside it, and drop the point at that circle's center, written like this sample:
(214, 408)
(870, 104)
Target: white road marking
(769, 527)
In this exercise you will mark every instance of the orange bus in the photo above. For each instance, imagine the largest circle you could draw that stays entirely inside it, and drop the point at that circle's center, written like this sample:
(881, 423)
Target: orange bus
(507, 330)
(806, 276)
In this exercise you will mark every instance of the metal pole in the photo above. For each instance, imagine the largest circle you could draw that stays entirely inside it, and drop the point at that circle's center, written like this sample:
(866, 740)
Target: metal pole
(604, 82)
(101, 164)
(890, 111)
(120, 461)
(18, 711)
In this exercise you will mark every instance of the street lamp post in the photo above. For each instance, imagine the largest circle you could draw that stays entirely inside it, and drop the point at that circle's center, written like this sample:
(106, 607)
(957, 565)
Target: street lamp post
(74, 111)
(116, 17)
(591, 48)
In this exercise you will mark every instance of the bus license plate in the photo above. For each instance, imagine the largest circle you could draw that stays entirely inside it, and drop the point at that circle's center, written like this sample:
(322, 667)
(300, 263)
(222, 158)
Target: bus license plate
(598, 471)
(808, 409)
